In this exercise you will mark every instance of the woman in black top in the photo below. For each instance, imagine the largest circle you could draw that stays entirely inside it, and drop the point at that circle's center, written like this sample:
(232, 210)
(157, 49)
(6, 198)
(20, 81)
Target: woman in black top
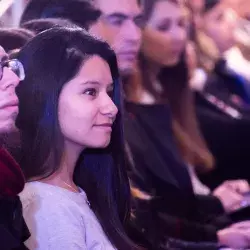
(158, 169)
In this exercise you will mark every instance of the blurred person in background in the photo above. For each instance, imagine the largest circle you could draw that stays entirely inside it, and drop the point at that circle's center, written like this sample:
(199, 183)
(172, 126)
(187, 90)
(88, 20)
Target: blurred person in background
(197, 9)
(110, 25)
(12, 40)
(158, 92)
(124, 21)
(238, 59)
(13, 230)
(219, 24)
(222, 100)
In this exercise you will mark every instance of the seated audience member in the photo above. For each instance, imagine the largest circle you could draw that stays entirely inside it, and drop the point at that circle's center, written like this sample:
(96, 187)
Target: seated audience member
(76, 93)
(220, 22)
(219, 104)
(237, 57)
(160, 93)
(39, 25)
(13, 231)
(14, 38)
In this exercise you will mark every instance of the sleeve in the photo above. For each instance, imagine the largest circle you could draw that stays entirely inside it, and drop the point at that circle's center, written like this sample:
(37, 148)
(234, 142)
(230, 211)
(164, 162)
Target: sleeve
(209, 204)
(54, 226)
(179, 244)
(153, 229)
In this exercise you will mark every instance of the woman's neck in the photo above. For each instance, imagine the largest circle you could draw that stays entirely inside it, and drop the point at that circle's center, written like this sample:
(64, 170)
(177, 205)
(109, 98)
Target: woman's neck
(152, 73)
(64, 176)
(134, 86)
(153, 70)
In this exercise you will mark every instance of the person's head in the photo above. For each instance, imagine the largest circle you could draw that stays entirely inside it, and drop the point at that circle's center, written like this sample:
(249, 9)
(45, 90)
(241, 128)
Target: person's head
(10, 74)
(80, 12)
(70, 99)
(219, 24)
(196, 7)
(123, 21)
(165, 33)
(42, 24)
(14, 38)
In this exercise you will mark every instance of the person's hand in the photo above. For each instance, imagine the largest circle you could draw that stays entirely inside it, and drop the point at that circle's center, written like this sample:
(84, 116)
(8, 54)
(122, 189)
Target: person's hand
(230, 193)
(241, 225)
(234, 238)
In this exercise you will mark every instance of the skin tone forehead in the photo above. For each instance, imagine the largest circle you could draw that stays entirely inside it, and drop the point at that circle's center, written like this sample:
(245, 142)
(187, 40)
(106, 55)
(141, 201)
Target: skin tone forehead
(128, 7)
(164, 9)
(94, 69)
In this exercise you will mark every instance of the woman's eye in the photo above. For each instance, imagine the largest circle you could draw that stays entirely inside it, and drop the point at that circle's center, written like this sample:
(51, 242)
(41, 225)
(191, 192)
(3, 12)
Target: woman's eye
(111, 94)
(164, 26)
(91, 92)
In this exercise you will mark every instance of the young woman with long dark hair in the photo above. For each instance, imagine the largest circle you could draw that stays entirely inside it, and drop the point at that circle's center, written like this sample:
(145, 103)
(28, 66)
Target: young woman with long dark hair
(69, 117)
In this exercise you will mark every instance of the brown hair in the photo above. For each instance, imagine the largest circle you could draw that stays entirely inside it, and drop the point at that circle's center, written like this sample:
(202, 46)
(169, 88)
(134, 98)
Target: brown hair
(176, 92)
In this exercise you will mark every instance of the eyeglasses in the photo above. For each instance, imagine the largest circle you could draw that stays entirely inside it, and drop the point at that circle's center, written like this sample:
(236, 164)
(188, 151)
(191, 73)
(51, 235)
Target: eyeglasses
(14, 65)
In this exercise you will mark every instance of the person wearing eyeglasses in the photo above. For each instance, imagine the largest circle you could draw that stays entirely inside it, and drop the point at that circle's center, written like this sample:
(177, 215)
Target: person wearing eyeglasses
(13, 230)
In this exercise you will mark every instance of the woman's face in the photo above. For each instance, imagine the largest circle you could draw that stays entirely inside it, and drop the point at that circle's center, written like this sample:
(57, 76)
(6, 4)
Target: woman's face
(8, 97)
(165, 34)
(86, 112)
(219, 24)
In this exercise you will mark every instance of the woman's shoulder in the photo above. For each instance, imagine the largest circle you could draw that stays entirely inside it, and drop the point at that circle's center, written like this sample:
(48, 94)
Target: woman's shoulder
(46, 205)
(32, 194)
(49, 196)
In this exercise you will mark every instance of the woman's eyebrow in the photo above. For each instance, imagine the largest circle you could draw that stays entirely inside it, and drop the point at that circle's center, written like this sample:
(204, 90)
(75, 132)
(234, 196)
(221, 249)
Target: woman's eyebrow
(91, 82)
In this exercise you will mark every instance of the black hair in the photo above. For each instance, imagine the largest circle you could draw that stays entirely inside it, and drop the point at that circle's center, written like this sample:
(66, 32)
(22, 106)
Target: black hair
(210, 4)
(14, 38)
(80, 12)
(148, 6)
(39, 25)
(99, 172)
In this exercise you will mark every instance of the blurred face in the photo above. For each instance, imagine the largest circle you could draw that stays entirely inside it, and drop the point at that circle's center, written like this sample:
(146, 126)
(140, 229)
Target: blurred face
(197, 9)
(165, 34)
(86, 111)
(219, 24)
(122, 20)
(8, 98)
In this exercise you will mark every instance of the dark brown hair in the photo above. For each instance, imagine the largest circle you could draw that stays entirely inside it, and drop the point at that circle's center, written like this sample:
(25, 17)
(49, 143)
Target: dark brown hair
(99, 172)
(176, 92)
(14, 38)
